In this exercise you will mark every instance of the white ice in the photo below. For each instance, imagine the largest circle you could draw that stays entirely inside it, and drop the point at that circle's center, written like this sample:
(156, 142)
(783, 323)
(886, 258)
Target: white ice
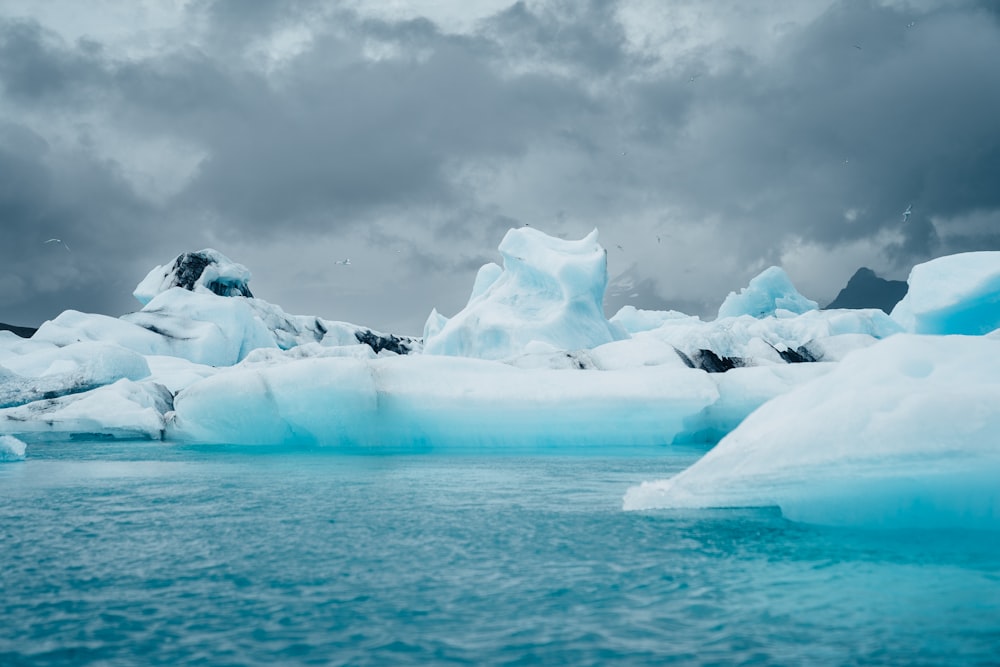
(550, 291)
(767, 294)
(221, 274)
(11, 449)
(955, 294)
(903, 433)
(877, 427)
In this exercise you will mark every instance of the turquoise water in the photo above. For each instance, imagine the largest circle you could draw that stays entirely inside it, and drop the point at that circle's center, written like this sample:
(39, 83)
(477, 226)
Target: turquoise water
(134, 554)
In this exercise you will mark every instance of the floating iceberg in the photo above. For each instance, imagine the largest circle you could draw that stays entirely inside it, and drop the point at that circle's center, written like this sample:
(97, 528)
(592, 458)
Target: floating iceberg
(11, 449)
(431, 402)
(204, 360)
(956, 294)
(903, 433)
(208, 318)
(549, 291)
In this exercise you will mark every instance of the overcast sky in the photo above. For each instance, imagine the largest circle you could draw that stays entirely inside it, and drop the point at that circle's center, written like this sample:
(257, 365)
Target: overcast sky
(705, 139)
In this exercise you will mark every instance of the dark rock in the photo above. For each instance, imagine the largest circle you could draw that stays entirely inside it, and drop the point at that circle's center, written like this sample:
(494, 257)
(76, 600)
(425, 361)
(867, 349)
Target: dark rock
(188, 268)
(867, 290)
(797, 356)
(379, 342)
(23, 332)
(707, 360)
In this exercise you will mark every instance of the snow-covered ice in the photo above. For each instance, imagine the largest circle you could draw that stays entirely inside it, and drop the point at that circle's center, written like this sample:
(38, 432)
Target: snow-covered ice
(903, 433)
(955, 294)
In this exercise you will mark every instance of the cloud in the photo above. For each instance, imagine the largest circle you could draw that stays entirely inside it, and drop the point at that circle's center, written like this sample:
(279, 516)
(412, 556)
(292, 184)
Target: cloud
(745, 131)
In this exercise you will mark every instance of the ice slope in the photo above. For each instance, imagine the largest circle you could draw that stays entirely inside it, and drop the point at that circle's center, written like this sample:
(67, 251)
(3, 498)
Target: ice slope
(956, 294)
(550, 290)
(903, 433)
(46, 372)
(124, 410)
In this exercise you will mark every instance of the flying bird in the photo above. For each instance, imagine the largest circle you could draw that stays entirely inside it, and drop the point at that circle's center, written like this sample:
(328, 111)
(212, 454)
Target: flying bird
(693, 77)
(59, 241)
(857, 46)
(345, 262)
(621, 248)
(911, 24)
(907, 212)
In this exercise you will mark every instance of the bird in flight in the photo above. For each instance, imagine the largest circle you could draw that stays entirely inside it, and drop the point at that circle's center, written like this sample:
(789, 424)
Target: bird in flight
(857, 46)
(907, 212)
(911, 24)
(692, 78)
(59, 241)
(345, 262)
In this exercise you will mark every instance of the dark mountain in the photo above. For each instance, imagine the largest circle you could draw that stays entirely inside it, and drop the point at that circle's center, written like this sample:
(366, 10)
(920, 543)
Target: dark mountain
(23, 332)
(866, 290)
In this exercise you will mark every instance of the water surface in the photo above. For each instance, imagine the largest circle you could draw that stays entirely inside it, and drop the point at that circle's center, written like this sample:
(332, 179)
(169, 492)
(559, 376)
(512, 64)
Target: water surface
(144, 553)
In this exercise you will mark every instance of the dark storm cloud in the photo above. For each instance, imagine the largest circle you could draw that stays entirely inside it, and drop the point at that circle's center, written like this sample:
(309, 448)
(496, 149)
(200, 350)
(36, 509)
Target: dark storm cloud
(78, 200)
(866, 108)
(36, 66)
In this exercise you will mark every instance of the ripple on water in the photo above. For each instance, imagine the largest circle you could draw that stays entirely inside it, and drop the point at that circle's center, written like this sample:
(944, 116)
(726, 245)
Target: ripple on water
(180, 556)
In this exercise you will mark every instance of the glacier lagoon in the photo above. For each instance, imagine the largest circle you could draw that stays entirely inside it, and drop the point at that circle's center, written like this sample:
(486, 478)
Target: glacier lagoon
(210, 480)
(124, 553)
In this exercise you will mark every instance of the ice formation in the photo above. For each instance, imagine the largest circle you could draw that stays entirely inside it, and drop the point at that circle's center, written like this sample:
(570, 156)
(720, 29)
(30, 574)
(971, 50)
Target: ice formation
(903, 433)
(433, 402)
(203, 360)
(956, 294)
(11, 449)
(207, 271)
(767, 294)
(851, 421)
(549, 291)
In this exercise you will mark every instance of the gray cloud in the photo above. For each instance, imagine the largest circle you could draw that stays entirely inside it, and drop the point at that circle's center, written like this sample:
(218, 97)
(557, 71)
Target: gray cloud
(277, 128)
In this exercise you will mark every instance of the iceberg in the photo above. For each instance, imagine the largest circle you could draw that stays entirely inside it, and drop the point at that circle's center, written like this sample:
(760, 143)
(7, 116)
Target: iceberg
(49, 372)
(432, 402)
(11, 449)
(768, 293)
(207, 271)
(123, 410)
(955, 294)
(208, 318)
(549, 291)
(530, 361)
(903, 433)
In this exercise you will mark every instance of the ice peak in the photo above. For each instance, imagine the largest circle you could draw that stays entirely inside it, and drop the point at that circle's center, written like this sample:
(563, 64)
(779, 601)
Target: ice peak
(768, 292)
(549, 290)
(207, 270)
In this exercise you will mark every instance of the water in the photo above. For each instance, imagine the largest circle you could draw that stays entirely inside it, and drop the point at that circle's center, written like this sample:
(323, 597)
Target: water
(136, 554)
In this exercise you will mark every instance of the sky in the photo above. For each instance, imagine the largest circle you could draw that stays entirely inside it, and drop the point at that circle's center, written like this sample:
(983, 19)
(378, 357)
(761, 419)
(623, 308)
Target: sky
(706, 140)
